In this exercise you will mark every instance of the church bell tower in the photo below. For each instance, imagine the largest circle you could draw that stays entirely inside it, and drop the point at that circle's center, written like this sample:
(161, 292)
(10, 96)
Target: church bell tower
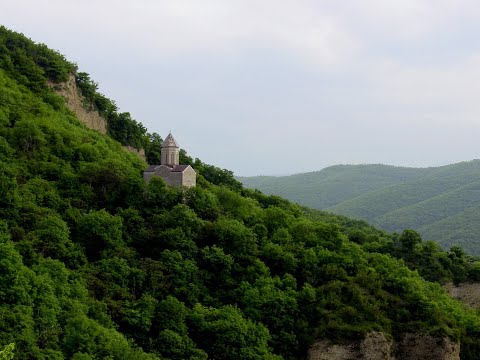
(170, 152)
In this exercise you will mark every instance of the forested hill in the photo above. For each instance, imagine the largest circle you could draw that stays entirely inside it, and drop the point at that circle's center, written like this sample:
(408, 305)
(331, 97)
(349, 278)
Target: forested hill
(441, 203)
(95, 264)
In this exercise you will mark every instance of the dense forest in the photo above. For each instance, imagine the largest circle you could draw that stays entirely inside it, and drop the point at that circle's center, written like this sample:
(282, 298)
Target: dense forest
(441, 203)
(96, 264)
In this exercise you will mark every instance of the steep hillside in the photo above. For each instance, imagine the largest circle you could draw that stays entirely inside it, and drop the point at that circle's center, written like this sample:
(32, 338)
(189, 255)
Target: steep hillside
(95, 264)
(393, 198)
(75, 101)
(332, 185)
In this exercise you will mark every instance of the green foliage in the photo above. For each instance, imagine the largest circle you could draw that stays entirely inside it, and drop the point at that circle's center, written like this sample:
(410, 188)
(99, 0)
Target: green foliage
(152, 149)
(440, 203)
(35, 66)
(98, 231)
(225, 334)
(95, 264)
(332, 185)
(409, 239)
(212, 174)
(121, 126)
(85, 336)
(7, 352)
(31, 63)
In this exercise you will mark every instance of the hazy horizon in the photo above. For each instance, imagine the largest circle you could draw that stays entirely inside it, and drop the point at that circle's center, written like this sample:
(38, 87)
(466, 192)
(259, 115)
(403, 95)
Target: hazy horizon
(281, 87)
(345, 164)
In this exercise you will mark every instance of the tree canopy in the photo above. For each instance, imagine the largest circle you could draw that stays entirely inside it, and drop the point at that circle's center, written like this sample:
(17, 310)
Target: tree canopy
(96, 264)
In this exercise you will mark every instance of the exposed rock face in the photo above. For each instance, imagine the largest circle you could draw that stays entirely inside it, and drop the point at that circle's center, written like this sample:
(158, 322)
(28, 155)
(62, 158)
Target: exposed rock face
(75, 102)
(424, 347)
(140, 153)
(86, 113)
(468, 293)
(375, 346)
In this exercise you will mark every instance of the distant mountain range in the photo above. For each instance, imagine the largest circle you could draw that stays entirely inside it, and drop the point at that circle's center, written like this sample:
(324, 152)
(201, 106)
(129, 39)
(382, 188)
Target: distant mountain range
(441, 203)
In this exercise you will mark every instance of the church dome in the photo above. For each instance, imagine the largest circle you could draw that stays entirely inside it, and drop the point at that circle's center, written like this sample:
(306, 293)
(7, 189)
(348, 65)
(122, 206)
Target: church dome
(169, 142)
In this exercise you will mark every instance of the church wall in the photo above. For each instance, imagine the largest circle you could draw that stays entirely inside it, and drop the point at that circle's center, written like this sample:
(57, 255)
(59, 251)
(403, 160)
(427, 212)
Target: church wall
(189, 178)
(174, 179)
(163, 171)
(147, 176)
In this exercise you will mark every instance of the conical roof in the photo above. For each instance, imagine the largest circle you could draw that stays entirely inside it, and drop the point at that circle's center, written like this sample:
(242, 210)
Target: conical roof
(169, 141)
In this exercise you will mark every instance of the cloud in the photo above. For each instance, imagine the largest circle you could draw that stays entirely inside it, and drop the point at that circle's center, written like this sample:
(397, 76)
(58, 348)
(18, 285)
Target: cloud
(347, 78)
(182, 27)
(411, 20)
(236, 27)
(449, 92)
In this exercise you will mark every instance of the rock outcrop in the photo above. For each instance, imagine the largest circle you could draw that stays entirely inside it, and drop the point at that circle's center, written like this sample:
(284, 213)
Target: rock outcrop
(75, 101)
(468, 293)
(87, 114)
(376, 346)
(140, 153)
(425, 347)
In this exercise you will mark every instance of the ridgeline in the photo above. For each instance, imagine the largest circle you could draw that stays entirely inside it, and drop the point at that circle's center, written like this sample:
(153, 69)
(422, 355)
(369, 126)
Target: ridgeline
(441, 203)
(95, 264)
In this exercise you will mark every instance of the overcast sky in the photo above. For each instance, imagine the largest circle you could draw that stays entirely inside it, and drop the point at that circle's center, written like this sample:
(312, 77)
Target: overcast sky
(280, 86)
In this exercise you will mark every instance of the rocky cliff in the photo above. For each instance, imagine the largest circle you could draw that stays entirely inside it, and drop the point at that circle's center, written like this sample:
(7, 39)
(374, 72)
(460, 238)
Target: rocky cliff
(376, 346)
(86, 113)
(75, 101)
(140, 153)
(468, 293)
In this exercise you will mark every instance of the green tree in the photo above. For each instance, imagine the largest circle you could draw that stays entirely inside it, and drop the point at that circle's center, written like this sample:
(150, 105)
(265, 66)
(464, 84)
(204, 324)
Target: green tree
(152, 149)
(28, 137)
(114, 183)
(98, 231)
(459, 261)
(225, 334)
(236, 239)
(7, 352)
(409, 239)
(52, 238)
(273, 302)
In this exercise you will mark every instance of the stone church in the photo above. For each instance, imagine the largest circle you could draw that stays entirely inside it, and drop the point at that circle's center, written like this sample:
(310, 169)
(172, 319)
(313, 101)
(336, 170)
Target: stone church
(170, 170)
